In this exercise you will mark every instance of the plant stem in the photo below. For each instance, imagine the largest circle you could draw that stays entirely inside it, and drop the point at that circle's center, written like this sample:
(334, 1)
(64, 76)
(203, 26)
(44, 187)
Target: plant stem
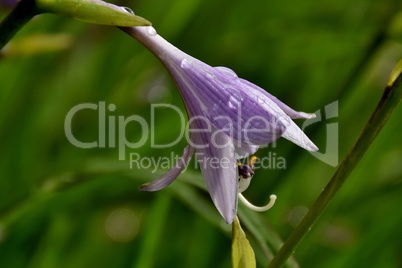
(390, 99)
(18, 17)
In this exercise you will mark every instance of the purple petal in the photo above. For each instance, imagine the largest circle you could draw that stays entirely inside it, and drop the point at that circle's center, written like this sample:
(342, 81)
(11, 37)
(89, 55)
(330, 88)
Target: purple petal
(225, 100)
(243, 110)
(218, 166)
(243, 150)
(252, 116)
(172, 174)
(292, 132)
(297, 136)
(289, 111)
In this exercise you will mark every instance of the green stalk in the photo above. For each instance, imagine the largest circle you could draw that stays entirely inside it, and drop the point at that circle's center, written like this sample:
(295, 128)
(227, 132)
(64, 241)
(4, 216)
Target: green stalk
(390, 99)
(23, 12)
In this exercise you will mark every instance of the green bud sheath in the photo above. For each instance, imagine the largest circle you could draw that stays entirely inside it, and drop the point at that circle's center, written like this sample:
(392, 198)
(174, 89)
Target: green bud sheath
(93, 11)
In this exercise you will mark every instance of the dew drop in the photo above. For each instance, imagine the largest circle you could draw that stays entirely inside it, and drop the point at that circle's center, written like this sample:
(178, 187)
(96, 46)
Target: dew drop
(231, 106)
(185, 64)
(211, 76)
(228, 71)
(260, 100)
(129, 10)
(233, 103)
(151, 31)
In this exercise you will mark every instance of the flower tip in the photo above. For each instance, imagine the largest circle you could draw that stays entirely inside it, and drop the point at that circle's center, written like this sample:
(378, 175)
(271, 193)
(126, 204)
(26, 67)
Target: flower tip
(303, 115)
(144, 187)
(227, 213)
(312, 147)
(294, 134)
(150, 187)
(309, 116)
(229, 219)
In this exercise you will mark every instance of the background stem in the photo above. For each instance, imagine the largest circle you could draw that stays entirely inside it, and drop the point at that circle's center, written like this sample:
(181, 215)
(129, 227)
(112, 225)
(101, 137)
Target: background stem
(390, 99)
(24, 11)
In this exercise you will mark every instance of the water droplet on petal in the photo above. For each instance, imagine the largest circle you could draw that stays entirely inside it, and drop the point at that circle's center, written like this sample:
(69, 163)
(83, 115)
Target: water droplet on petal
(186, 64)
(260, 100)
(151, 30)
(227, 71)
(129, 10)
(211, 76)
(233, 103)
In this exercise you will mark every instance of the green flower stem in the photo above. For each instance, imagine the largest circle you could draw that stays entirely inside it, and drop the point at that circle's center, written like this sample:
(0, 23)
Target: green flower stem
(390, 99)
(23, 12)
(91, 11)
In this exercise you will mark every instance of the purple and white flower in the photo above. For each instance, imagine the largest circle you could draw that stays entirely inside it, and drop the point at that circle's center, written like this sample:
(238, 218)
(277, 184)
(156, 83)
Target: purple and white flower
(229, 118)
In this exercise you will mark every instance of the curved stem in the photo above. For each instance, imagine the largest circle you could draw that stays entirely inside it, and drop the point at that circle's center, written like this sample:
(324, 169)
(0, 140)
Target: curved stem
(390, 99)
(24, 11)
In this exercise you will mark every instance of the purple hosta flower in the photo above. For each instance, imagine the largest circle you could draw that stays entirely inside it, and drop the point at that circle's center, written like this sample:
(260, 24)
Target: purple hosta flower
(229, 118)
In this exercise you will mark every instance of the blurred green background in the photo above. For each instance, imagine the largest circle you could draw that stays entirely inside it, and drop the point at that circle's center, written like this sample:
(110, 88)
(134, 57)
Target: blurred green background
(62, 206)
